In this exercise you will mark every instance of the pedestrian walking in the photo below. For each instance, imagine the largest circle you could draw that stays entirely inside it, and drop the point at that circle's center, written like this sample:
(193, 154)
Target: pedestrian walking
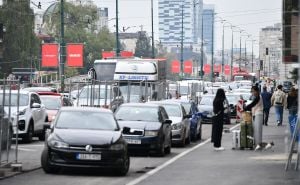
(256, 108)
(292, 106)
(219, 105)
(266, 97)
(278, 101)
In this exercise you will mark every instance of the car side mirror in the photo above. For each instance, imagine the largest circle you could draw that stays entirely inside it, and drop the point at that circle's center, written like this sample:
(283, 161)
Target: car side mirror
(36, 105)
(187, 116)
(168, 121)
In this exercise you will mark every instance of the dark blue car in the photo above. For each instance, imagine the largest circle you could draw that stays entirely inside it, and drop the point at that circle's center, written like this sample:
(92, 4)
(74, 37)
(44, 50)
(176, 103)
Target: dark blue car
(192, 109)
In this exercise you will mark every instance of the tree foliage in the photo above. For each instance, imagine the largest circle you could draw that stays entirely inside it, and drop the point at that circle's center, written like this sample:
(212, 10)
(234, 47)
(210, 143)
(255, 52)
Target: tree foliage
(80, 27)
(20, 45)
(143, 47)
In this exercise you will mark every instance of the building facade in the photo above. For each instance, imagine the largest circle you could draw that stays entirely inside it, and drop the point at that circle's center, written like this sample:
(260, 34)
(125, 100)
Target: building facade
(171, 14)
(270, 51)
(208, 27)
(103, 18)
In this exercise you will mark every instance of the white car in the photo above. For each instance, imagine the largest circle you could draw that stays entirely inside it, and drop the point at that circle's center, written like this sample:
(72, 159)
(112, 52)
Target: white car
(31, 117)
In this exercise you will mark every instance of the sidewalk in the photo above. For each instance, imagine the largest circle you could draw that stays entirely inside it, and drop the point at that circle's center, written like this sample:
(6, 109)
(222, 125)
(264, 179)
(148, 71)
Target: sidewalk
(233, 167)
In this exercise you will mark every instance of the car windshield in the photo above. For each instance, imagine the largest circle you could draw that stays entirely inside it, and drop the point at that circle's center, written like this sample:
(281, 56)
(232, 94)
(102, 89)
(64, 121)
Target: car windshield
(86, 120)
(136, 113)
(95, 93)
(23, 101)
(173, 110)
(51, 102)
(187, 107)
(207, 100)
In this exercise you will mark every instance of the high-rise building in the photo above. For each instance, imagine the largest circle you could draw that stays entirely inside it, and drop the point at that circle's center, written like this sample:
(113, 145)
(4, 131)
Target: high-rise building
(208, 27)
(103, 18)
(270, 48)
(171, 13)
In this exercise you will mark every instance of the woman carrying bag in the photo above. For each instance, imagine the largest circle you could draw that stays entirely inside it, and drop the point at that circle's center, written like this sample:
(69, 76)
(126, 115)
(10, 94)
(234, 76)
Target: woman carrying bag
(256, 108)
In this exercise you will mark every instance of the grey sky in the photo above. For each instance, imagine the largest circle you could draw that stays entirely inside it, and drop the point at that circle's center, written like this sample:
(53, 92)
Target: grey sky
(249, 15)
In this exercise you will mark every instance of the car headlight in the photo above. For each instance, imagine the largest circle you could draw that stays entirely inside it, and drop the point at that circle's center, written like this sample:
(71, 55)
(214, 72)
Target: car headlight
(57, 144)
(22, 112)
(118, 146)
(151, 133)
(177, 126)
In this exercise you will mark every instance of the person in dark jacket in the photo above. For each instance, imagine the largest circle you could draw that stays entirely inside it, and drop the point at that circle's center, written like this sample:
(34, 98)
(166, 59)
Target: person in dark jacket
(218, 119)
(266, 96)
(292, 106)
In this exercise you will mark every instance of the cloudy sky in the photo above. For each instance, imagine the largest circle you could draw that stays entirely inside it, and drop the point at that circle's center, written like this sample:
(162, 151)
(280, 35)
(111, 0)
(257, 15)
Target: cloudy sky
(249, 15)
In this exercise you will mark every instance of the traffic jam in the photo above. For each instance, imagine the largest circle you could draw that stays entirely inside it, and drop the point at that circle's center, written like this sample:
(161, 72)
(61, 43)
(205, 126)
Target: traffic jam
(103, 124)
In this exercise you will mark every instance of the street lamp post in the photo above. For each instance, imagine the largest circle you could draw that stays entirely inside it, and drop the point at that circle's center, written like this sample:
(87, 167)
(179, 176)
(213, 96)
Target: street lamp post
(152, 27)
(117, 29)
(252, 56)
(202, 53)
(181, 44)
(212, 49)
(62, 47)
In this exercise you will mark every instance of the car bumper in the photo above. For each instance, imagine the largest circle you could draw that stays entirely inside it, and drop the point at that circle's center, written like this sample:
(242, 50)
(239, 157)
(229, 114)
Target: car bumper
(22, 125)
(67, 158)
(177, 136)
(143, 143)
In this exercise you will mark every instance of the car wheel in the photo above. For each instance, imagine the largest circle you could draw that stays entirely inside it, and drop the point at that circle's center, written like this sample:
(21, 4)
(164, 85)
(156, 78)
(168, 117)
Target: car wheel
(29, 134)
(42, 135)
(182, 144)
(168, 149)
(48, 168)
(188, 140)
(125, 168)
(199, 135)
(161, 151)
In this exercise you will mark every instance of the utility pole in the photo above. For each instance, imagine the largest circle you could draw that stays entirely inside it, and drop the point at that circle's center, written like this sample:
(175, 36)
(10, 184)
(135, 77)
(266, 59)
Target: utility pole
(240, 50)
(231, 62)
(252, 57)
(117, 29)
(202, 53)
(153, 53)
(223, 51)
(212, 49)
(181, 44)
(62, 47)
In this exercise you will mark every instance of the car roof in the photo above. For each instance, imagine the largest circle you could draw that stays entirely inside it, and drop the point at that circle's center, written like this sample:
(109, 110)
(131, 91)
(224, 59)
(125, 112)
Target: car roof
(164, 102)
(139, 105)
(22, 91)
(44, 93)
(87, 109)
(39, 89)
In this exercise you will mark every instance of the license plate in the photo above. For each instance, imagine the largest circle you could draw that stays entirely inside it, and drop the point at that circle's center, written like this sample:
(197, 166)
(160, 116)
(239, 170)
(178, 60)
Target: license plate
(94, 157)
(133, 141)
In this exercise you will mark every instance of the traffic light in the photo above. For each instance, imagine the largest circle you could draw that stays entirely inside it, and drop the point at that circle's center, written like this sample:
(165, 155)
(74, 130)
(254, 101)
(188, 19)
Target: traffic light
(267, 51)
(261, 65)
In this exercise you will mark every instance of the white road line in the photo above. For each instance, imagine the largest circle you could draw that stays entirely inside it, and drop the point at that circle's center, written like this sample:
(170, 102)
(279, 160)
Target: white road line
(24, 149)
(170, 161)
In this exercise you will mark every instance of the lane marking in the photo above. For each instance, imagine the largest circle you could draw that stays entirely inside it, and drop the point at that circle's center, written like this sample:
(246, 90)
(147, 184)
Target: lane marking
(23, 149)
(170, 161)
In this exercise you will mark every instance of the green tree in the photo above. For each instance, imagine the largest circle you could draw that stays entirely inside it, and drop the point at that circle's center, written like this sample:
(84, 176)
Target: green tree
(80, 27)
(143, 47)
(20, 45)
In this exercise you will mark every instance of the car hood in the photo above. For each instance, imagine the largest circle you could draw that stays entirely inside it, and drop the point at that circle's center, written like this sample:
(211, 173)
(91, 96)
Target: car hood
(84, 137)
(205, 108)
(143, 125)
(175, 119)
(13, 109)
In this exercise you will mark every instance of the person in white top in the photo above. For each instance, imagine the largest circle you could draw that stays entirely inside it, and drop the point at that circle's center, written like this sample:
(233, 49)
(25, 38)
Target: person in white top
(279, 101)
(256, 108)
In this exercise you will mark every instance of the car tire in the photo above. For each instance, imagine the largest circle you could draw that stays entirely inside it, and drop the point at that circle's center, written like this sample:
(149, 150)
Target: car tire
(28, 136)
(199, 135)
(188, 140)
(168, 149)
(182, 144)
(161, 151)
(122, 171)
(48, 168)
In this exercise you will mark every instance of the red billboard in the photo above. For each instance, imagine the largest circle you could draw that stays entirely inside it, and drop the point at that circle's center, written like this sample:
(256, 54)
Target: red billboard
(75, 55)
(188, 67)
(126, 54)
(217, 68)
(108, 54)
(175, 66)
(206, 69)
(227, 69)
(50, 55)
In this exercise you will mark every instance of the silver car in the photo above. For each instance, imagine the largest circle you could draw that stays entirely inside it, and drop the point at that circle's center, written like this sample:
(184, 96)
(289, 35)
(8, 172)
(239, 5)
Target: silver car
(180, 122)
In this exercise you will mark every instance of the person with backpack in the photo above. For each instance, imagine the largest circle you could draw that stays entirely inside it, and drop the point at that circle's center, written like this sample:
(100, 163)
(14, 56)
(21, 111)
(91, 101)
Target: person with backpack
(266, 96)
(278, 101)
